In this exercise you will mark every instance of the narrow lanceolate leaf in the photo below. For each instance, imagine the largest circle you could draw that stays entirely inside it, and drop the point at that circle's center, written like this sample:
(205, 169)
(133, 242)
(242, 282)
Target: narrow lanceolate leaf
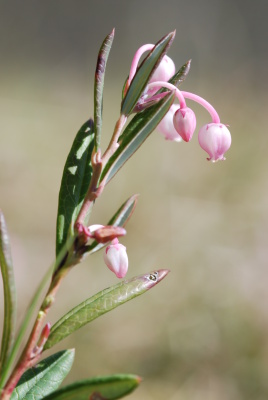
(75, 182)
(99, 85)
(120, 218)
(102, 303)
(144, 73)
(135, 134)
(9, 319)
(45, 377)
(100, 388)
(181, 75)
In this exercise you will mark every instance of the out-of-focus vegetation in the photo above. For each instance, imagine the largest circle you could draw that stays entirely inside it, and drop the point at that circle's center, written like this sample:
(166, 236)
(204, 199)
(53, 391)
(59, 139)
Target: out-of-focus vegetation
(202, 333)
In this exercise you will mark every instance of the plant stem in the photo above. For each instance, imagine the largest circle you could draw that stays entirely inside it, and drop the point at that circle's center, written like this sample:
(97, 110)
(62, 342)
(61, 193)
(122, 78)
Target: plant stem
(92, 192)
(28, 357)
(98, 163)
(113, 145)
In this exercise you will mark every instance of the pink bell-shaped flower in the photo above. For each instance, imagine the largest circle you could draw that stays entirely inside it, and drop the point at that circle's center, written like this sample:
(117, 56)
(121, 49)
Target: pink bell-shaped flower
(185, 122)
(215, 139)
(165, 70)
(116, 259)
(166, 126)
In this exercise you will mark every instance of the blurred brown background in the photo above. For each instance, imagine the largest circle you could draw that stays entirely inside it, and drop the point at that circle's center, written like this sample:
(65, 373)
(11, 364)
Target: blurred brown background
(202, 333)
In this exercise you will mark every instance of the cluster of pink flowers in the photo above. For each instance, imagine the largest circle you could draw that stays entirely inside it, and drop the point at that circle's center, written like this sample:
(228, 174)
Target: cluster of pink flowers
(178, 124)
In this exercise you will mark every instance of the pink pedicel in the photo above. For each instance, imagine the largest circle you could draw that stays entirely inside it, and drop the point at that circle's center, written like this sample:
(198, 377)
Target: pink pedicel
(185, 123)
(116, 259)
(215, 139)
(166, 126)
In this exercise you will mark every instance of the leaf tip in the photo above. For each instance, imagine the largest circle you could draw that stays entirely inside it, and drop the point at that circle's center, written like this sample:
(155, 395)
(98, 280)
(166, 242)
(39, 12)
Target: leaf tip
(188, 66)
(162, 273)
(2, 219)
(135, 198)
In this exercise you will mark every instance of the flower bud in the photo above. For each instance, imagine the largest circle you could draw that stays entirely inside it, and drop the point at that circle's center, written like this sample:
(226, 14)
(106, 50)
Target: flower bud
(215, 139)
(116, 259)
(185, 122)
(166, 126)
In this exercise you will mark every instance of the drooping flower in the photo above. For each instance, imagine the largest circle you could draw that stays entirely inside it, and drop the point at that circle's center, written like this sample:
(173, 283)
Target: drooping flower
(215, 139)
(116, 259)
(166, 126)
(164, 71)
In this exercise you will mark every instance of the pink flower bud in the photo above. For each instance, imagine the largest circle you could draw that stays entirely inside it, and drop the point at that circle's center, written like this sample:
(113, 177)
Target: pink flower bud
(185, 122)
(215, 139)
(164, 71)
(166, 126)
(116, 259)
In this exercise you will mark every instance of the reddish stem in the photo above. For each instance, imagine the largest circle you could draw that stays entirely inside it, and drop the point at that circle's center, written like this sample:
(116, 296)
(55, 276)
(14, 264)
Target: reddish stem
(29, 356)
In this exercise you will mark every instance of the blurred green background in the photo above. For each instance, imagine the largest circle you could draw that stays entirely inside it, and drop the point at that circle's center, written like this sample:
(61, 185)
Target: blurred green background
(202, 333)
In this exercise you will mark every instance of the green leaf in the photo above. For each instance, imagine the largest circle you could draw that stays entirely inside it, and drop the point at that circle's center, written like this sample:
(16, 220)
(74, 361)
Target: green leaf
(144, 73)
(100, 388)
(75, 182)
(101, 303)
(179, 77)
(9, 293)
(32, 308)
(176, 80)
(120, 218)
(45, 377)
(99, 85)
(135, 134)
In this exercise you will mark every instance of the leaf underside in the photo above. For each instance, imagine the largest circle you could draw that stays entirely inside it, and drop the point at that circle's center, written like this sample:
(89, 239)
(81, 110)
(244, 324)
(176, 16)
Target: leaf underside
(179, 76)
(99, 85)
(100, 388)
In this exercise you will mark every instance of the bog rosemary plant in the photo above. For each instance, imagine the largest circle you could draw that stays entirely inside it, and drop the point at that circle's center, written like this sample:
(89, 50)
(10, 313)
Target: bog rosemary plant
(150, 93)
